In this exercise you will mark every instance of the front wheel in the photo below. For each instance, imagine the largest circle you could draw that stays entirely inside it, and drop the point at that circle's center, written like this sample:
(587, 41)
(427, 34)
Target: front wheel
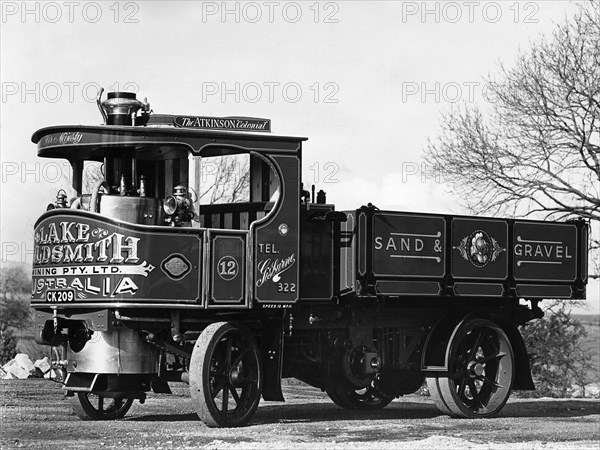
(481, 372)
(225, 375)
(89, 406)
(369, 398)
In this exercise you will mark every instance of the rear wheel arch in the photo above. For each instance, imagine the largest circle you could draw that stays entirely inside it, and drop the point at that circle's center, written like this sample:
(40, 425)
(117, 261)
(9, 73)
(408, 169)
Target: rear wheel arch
(523, 380)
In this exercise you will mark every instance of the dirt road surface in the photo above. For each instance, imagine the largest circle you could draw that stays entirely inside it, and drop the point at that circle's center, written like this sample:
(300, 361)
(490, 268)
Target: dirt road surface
(35, 414)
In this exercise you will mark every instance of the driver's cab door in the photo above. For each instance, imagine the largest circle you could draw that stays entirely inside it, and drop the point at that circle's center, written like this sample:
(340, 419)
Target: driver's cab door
(251, 215)
(275, 239)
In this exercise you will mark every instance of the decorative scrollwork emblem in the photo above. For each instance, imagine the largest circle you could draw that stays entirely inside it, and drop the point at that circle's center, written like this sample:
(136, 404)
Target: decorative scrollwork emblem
(479, 248)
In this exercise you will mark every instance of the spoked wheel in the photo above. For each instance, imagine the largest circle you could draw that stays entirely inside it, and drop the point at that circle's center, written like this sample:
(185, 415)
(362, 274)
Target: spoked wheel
(225, 375)
(94, 407)
(481, 372)
(369, 398)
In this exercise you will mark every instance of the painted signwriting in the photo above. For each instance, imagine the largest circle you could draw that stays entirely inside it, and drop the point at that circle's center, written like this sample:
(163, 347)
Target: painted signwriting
(227, 268)
(80, 258)
(72, 137)
(541, 252)
(88, 285)
(268, 248)
(272, 268)
(223, 123)
(408, 245)
(75, 242)
(544, 251)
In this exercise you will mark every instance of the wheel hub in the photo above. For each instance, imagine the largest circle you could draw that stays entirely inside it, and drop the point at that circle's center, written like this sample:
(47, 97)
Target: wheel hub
(234, 376)
(475, 369)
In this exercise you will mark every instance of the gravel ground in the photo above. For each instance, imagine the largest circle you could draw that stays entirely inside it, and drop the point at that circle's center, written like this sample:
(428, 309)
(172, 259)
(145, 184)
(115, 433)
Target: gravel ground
(35, 414)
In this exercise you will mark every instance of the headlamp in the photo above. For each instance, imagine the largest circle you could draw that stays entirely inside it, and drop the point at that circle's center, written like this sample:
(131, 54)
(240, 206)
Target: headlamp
(171, 205)
(178, 206)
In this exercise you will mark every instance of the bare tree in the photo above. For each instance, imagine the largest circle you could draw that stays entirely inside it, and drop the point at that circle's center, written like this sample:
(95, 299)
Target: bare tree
(93, 172)
(224, 179)
(536, 152)
(227, 180)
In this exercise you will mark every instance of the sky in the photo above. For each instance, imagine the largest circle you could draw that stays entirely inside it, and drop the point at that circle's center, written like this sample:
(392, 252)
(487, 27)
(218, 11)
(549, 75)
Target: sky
(366, 82)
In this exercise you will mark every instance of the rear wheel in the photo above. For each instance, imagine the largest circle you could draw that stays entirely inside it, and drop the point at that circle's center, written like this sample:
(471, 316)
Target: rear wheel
(225, 375)
(90, 406)
(369, 398)
(481, 368)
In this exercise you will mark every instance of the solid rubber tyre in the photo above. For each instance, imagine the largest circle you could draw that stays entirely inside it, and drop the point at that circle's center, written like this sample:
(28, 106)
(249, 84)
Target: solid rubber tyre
(225, 375)
(481, 372)
(435, 392)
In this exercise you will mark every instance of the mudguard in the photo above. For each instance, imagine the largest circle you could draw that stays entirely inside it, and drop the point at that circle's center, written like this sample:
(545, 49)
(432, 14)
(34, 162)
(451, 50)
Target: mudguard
(272, 359)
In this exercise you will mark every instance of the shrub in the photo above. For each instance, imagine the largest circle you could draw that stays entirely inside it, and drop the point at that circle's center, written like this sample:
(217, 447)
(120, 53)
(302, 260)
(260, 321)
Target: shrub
(8, 346)
(559, 361)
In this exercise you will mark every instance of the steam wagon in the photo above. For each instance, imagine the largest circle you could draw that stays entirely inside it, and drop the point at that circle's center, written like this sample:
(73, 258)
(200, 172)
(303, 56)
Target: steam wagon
(138, 282)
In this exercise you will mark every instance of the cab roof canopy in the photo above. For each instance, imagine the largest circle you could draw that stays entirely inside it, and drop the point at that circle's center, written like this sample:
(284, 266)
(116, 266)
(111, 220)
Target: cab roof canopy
(94, 143)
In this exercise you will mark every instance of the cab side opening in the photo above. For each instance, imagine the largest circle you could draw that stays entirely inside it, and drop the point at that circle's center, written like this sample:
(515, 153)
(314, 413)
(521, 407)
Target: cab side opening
(234, 190)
